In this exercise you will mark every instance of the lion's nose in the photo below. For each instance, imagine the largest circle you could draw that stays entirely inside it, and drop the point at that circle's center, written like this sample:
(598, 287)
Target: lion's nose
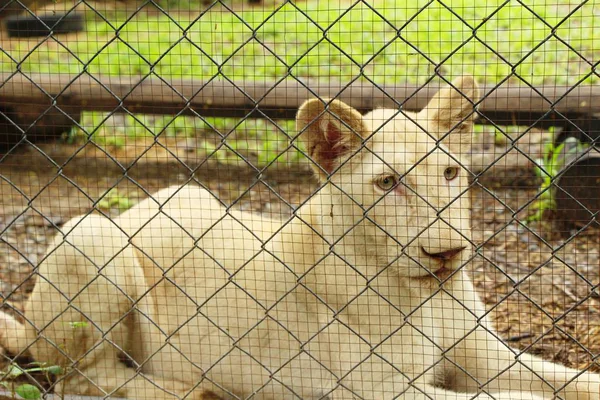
(445, 255)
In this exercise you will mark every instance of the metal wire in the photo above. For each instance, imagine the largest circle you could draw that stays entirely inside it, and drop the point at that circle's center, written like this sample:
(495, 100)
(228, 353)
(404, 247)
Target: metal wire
(28, 139)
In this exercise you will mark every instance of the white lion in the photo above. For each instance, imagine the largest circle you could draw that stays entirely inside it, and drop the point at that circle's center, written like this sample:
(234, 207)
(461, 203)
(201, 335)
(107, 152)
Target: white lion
(359, 295)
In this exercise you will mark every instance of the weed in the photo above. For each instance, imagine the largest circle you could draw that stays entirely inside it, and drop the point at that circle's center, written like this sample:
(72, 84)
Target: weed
(13, 372)
(113, 199)
(548, 168)
(259, 141)
(26, 390)
(78, 324)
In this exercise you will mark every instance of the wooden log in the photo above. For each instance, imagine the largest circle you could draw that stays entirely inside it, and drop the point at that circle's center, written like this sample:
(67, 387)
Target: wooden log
(506, 104)
(39, 122)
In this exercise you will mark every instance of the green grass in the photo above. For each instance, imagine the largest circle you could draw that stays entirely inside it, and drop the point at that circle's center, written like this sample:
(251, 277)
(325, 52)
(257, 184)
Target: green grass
(340, 44)
(330, 40)
(260, 141)
(548, 168)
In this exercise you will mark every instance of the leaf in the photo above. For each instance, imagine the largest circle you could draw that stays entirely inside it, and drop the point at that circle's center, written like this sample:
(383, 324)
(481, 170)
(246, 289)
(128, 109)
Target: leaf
(78, 324)
(38, 363)
(28, 391)
(539, 168)
(124, 203)
(104, 204)
(35, 369)
(14, 371)
(55, 370)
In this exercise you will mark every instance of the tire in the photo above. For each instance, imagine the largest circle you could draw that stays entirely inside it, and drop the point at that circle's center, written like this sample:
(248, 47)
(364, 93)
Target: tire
(29, 26)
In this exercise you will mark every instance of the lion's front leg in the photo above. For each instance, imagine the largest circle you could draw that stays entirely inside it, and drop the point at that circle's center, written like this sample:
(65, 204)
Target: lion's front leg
(567, 383)
(477, 358)
(429, 392)
(481, 360)
(398, 386)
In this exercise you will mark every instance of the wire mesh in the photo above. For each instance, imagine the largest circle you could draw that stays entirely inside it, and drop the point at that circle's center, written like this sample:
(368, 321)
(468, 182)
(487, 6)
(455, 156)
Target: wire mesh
(300, 199)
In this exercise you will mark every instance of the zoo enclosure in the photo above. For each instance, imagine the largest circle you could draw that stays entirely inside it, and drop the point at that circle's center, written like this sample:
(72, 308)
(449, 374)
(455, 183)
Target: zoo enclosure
(36, 106)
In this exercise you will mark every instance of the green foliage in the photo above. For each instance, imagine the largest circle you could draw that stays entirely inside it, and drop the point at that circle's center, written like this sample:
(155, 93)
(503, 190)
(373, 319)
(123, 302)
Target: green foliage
(548, 168)
(26, 390)
(502, 134)
(112, 199)
(395, 43)
(259, 140)
(79, 324)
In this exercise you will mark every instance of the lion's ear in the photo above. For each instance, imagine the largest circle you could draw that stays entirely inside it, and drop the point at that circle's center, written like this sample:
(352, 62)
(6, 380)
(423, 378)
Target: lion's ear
(452, 110)
(330, 131)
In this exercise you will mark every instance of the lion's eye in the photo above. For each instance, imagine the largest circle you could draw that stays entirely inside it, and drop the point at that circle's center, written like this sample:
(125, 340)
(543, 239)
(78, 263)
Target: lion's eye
(450, 173)
(387, 182)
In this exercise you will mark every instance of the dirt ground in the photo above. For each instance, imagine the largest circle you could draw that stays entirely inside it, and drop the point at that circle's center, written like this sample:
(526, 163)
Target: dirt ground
(541, 289)
(540, 286)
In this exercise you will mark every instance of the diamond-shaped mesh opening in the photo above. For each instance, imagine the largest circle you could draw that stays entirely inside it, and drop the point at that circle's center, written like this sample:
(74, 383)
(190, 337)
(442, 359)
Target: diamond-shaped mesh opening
(475, 58)
(146, 44)
(253, 61)
(51, 46)
(261, 142)
(351, 350)
(475, 15)
(44, 198)
(362, 18)
(44, 50)
(557, 287)
(219, 33)
(303, 373)
(294, 43)
(330, 60)
(192, 60)
(572, 30)
(435, 33)
(110, 131)
(284, 347)
(117, 58)
(513, 32)
(553, 59)
(251, 375)
(46, 55)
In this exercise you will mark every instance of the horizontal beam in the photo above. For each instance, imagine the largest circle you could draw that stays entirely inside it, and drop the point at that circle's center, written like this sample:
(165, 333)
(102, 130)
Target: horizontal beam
(219, 97)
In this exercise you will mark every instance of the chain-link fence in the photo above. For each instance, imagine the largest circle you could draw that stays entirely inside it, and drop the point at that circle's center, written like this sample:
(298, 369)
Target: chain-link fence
(300, 199)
